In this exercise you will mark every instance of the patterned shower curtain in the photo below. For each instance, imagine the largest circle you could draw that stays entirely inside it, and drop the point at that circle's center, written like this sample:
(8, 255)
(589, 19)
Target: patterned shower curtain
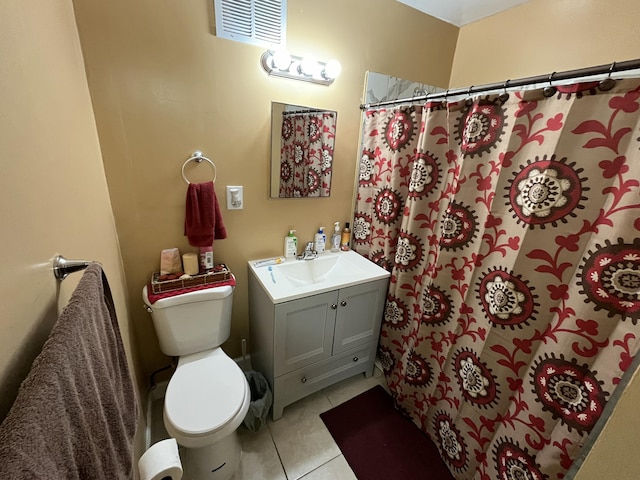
(511, 226)
(306, 154)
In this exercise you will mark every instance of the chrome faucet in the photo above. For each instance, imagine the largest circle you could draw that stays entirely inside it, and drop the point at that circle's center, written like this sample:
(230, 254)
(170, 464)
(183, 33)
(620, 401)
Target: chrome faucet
(309, 253)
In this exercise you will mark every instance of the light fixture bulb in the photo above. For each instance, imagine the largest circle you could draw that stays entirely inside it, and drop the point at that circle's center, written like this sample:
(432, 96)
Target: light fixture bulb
(332, 69)
(281, 60)
(309, 65)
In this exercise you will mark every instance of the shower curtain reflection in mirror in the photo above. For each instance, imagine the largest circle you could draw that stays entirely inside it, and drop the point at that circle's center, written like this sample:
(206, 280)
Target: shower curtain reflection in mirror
(306, 153)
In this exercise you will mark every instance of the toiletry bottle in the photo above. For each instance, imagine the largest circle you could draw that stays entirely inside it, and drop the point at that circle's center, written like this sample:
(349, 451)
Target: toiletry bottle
(346, 237)
(206, 258)
(335, 238)
(291, 245)
(320, 241)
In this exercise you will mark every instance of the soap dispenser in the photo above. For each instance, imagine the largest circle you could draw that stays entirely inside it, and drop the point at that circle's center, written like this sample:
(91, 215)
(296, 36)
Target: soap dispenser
(320, 241)
(335, 238)
(291, 245)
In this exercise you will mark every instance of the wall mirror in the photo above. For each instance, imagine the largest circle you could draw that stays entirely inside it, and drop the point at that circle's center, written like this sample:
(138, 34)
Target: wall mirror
(302, 143)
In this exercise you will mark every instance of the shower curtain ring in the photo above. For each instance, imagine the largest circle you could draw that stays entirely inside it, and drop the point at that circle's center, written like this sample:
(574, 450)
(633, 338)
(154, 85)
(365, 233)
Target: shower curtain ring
(550, 90)
(505, 95)
(608, 83)
(469, 100)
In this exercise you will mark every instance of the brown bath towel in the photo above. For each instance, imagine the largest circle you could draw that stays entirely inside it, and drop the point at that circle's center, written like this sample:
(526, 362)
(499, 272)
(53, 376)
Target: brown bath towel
(203, 218)
(76, 412)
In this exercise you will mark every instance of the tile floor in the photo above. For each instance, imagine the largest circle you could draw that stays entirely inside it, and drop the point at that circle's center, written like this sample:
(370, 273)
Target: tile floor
(298, 445)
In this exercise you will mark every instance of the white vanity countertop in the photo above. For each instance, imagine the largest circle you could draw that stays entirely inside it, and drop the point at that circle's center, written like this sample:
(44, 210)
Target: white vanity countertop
(295, 279)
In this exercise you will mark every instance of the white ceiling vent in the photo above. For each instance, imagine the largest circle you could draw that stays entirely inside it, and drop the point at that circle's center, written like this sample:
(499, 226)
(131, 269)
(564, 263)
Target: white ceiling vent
(258, 22)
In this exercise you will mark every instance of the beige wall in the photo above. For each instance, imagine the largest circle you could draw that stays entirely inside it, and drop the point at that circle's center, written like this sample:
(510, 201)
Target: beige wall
(541, 37)
(545, 36)
(53, 190)
(163, 86)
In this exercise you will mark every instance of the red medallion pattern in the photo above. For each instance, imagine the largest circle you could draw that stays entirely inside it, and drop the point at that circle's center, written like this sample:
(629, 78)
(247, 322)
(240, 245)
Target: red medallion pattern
(450, 441)
(399, 130)
(477, 383)
(611, 279)
(511, 228)
(546, 191)
(388, 206)
(569, 392)
(514, 463)
(506, 299)
(418, 371)
(436, 306)
(424, 176)
(459, 227)
(480, 127)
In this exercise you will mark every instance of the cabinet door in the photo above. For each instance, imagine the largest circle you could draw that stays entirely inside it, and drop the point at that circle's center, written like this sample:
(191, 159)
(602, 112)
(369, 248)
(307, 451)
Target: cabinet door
(303, 331)
(359, 315)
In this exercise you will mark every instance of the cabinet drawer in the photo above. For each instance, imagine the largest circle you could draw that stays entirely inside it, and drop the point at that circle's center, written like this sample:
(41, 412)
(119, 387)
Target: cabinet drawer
(296, 385)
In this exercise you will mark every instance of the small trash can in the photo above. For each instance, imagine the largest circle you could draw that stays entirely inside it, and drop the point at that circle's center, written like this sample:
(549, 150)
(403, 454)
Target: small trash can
(261, 399)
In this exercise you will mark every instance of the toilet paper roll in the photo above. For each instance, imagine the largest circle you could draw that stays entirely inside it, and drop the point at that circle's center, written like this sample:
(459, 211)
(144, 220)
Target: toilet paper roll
(190, 263)
(161, 461)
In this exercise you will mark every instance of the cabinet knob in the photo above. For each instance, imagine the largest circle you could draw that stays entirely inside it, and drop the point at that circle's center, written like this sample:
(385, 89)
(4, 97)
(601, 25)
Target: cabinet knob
(343, 303)
(355, 359)
(333, 306)
(303, 379)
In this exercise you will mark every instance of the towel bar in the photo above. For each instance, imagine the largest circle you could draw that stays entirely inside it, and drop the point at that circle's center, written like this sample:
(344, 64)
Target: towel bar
(63, 267)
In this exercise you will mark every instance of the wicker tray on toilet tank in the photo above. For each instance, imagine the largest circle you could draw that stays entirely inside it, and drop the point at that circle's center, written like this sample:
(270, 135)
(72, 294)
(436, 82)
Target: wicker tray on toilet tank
(219, 273)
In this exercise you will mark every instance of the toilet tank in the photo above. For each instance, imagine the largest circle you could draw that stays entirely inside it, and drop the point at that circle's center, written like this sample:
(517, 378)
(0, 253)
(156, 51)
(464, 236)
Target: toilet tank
(192, 322)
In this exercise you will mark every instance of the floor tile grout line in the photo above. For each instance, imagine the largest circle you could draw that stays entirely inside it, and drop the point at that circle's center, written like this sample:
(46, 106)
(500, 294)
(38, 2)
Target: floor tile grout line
(319, 466)
(275, 445)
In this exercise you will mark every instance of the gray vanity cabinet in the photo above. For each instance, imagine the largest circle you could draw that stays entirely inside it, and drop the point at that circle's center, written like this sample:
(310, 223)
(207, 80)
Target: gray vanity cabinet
(305, 345)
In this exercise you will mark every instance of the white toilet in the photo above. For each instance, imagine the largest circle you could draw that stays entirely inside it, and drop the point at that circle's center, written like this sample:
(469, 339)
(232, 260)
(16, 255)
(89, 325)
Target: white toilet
(208, 395)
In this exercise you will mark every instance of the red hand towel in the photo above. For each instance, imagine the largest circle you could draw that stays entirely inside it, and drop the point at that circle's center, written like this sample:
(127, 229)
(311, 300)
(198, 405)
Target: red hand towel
(203, 219)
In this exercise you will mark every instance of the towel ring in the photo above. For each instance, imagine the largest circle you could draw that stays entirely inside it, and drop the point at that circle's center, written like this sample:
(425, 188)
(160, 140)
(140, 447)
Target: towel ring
(198, 157)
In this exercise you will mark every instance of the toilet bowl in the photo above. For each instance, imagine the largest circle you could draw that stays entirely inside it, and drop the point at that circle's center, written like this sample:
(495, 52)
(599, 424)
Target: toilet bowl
(208, 395)
(206, 401)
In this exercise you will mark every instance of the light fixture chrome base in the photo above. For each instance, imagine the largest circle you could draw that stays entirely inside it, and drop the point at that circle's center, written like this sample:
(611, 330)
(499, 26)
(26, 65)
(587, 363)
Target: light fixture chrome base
(317, 72)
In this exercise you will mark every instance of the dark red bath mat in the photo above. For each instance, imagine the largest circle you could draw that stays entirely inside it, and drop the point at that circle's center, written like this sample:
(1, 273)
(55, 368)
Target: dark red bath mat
(380, 443)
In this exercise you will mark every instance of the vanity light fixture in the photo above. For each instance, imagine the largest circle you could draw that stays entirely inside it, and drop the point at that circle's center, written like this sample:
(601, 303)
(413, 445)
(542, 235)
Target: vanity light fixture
(280, 63)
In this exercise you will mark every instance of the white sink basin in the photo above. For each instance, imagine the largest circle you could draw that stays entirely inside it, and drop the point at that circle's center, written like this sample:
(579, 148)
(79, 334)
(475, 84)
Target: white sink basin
(329, 271)
(305, 272)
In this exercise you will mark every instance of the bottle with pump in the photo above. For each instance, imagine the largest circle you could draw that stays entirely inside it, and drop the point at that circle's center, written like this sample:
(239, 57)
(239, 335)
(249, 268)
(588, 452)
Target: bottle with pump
(291, 245)
(335, 238)
(346, 237)
(320, 241)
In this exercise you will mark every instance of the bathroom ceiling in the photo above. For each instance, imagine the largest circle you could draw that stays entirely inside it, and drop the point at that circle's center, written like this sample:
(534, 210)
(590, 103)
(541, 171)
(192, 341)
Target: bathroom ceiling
(461, 12)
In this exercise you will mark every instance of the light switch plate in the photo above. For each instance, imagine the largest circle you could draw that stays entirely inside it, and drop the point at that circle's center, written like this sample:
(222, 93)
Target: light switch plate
(235, 199)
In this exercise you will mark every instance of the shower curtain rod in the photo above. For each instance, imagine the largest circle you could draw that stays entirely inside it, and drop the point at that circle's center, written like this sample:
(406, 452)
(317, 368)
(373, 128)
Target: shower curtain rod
(296, 112)
(555, 76)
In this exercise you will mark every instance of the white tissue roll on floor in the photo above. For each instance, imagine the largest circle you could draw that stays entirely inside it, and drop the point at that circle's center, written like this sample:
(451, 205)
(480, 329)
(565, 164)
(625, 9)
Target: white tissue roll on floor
(161, 461)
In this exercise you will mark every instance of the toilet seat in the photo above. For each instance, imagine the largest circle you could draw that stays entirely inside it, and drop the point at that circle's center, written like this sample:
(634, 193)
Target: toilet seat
(206, 393)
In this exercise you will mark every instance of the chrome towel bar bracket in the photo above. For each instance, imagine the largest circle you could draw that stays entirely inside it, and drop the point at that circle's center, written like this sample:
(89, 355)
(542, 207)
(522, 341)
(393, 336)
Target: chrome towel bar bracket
(63, 267)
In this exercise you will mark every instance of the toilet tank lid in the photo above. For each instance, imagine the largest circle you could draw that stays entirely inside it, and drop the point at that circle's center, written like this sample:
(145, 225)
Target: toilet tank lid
(213, 293)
